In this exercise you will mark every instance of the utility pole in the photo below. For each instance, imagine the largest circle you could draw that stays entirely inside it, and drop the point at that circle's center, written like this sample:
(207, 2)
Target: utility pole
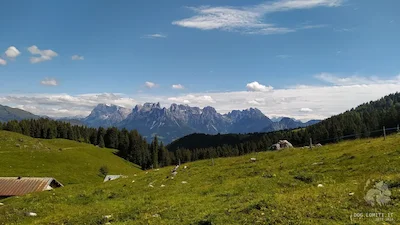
(384, 133)
(310, 143)
(398, 129)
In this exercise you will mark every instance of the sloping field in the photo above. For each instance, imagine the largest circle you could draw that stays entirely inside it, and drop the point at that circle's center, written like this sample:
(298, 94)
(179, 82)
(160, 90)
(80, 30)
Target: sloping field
(69, 162)
(326, 185)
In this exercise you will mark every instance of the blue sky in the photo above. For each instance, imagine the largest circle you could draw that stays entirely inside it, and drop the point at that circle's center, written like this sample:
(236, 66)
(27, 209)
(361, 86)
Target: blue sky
(131, 52)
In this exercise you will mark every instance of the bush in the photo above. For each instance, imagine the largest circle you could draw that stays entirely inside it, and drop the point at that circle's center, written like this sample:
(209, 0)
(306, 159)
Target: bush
(103, 171)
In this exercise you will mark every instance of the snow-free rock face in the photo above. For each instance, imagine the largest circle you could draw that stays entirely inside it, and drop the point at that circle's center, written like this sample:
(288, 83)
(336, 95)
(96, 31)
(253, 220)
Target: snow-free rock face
(180, 120)
(176, 121)
(105, 115)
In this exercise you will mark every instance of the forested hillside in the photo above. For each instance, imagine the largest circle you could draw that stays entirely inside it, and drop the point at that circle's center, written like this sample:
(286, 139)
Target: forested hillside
(366, 120)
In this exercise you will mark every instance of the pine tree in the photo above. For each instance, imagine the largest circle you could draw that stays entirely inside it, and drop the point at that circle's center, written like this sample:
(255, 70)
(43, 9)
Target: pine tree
(154, 152)
(101, 142)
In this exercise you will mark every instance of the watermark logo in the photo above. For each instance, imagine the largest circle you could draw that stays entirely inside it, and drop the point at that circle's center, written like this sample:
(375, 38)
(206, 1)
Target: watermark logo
(376, 194)
(379, 194)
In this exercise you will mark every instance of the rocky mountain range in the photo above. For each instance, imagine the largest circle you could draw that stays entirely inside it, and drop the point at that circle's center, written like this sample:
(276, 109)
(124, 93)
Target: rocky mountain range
(170, 123)
(176, 121)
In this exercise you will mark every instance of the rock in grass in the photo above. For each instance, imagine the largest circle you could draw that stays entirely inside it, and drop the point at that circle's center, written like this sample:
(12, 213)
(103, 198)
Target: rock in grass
(184, 182)
(31, 214)
(253, 159)
(156, 215)
(320, 185)
(107, 217)
(162, 185)
(351, 193)
(150, 185)
(1, 204)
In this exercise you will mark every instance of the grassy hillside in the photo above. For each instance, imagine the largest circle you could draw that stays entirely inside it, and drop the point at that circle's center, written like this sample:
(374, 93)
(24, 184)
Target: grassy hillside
(69, 162)
(279, 188)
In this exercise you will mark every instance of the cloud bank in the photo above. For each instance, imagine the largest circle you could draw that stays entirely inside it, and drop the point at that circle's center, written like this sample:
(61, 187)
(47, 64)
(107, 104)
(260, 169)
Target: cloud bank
(301, 102)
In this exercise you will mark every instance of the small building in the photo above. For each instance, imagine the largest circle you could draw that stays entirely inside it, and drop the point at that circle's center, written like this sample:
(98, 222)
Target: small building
(113, 177)
(16, 186)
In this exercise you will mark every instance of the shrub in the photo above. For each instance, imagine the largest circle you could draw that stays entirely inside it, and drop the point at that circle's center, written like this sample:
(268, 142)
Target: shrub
(103, 171)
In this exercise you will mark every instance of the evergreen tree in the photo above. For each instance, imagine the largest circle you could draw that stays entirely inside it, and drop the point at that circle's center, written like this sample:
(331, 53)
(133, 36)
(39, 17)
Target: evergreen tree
(101, 142)
(154, 152)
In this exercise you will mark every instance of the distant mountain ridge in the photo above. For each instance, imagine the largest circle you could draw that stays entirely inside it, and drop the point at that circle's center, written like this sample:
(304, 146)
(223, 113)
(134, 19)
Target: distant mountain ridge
(176, 121)
(8, 113)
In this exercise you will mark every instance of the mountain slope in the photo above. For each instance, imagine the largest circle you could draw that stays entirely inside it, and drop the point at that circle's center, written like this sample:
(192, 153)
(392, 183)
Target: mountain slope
(248, 121)
(69, 162)
(8, 113)
(104, 115)
(232, 191)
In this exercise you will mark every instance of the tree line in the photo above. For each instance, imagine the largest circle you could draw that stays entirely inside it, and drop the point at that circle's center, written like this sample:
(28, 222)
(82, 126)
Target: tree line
(131, 145)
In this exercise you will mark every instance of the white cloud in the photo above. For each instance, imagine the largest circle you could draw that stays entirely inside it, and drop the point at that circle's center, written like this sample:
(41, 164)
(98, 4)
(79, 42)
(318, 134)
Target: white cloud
(178, 86)
(250, 19)
(255, 86)
(3, 62)
(353, 80)
(12, 52)
(49, 82)
(61, 105)
(200, 100)
(150, 85)
(44, 55)
(305, 110)
(155, 36)
(77, 57)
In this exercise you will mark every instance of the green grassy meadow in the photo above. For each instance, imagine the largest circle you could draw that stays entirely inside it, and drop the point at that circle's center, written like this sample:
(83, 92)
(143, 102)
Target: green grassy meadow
(279, 188)
(68, 161)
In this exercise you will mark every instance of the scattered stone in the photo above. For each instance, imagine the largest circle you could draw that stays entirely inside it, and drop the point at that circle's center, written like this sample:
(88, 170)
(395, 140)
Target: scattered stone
(31, 214)
(320, 185)
(18, 145)
(133, 181)
(134, 175)
(351, 193)
(262, 214)
(156, 215)
(150, 185)
(172, 178)
(317, 163)
(174, 173)
(253, 159)
(157, 169)
(107, 217)
(21, 140)
(185, 167)
(108, 223)
(1, 204)
(162, 185)
(184, 182)
(147, 172)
